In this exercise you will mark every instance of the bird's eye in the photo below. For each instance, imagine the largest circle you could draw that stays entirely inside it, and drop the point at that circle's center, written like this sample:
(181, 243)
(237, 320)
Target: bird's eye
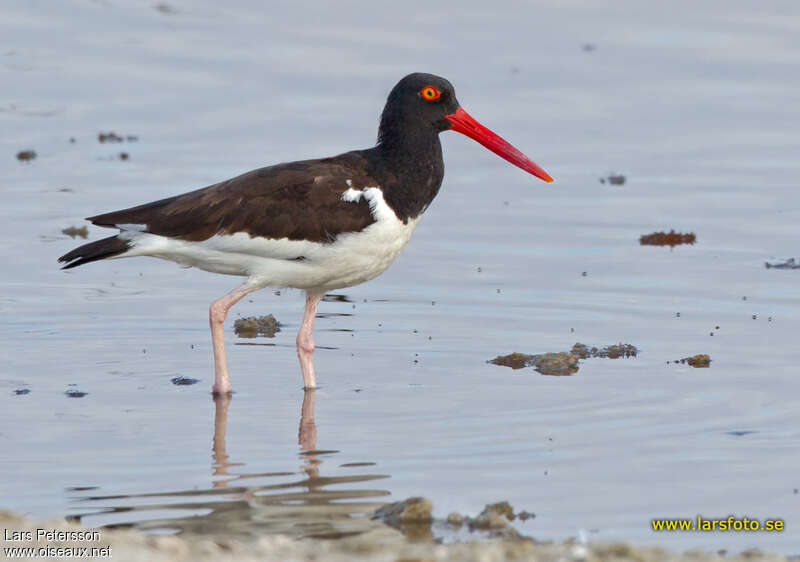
(430, 93)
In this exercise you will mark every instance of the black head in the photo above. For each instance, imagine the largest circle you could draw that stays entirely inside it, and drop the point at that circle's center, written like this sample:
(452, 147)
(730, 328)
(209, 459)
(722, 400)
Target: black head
(422, 105)
(419, 102)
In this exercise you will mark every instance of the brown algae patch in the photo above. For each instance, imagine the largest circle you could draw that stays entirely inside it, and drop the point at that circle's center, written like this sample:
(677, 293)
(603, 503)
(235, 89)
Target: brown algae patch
(494, 520)
(412, 517)
(493, 516)
(73, 231)
(514, 360)
(556, 364)
(252, 326)
(563, 363)
(699, 361)
(670, 239)
(411, 510)
(611, 352)
(26, 155)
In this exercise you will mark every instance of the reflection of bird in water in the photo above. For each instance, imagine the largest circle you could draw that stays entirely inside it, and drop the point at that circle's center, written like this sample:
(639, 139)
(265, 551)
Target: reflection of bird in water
(315, 225)
(307, 507)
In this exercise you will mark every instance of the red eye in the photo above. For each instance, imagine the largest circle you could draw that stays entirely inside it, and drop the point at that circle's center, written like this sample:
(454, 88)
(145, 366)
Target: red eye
(430, 93)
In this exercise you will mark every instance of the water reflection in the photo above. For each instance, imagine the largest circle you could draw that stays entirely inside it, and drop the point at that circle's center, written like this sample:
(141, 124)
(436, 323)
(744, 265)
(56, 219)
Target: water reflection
(312, 506)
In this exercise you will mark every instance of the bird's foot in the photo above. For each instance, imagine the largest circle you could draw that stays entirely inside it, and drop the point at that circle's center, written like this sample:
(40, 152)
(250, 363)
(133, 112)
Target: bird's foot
(222, 387)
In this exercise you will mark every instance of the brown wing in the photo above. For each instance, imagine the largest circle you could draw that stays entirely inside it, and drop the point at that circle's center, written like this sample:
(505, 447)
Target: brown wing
(296, 200)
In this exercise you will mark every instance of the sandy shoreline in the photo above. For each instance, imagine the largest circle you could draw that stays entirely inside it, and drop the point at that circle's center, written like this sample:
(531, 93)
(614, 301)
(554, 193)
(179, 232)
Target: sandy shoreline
(44, 541)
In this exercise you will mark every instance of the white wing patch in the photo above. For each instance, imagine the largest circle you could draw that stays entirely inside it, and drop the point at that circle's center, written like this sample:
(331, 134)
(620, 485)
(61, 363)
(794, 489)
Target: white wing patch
(372, 195)
(352, 195)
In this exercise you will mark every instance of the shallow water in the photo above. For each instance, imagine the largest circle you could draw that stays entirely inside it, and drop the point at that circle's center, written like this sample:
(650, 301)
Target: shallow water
(696, 104)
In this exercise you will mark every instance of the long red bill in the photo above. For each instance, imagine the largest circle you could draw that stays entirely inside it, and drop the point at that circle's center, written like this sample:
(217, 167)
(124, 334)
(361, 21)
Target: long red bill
(464, 123)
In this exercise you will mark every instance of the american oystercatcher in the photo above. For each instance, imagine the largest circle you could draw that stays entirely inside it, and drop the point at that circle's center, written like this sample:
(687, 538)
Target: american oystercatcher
(315, 225)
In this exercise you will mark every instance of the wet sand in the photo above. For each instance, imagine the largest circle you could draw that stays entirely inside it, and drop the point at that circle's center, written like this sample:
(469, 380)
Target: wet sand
(377, 545)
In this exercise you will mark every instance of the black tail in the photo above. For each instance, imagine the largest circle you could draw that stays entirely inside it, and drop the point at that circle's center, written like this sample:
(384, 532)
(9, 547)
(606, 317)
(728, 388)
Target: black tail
(93, 251)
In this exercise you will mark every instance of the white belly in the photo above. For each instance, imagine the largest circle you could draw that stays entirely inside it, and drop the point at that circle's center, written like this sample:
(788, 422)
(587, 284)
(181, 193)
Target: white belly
(354, 257)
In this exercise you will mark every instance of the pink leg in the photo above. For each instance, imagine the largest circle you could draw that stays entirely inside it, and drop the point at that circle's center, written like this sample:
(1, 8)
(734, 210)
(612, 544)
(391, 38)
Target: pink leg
(305, 340)
(216, 318)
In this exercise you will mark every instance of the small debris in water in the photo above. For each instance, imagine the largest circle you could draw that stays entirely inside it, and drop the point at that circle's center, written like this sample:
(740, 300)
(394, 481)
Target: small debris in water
(123, 156)
(26, 155)
(72, 393)
(614, 179)
(700, 361)
(22, 391)
(165, 8)
(184, 381)
(252, 326)
(741, 432)
(788, 264)
(111, 136)
(588, 47)
(670, 239)
(525, 515)
(73, 231)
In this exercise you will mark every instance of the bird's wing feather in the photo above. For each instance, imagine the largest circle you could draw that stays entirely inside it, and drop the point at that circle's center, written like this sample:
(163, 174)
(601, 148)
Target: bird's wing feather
(296, 200)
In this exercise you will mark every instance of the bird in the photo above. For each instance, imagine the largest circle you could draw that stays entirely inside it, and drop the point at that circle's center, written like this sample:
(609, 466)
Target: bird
(315, 225)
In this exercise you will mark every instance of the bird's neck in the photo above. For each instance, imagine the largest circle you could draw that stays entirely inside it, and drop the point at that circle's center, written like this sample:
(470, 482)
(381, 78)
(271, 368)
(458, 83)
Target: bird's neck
(411, 169)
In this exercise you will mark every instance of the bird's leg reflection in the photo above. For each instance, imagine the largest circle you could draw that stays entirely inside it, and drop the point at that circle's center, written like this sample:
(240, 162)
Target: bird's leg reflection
(307, 434)
(220, 456)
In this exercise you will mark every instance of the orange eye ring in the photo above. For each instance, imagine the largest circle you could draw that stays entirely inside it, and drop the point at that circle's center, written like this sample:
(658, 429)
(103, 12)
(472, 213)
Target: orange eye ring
(430, 93)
